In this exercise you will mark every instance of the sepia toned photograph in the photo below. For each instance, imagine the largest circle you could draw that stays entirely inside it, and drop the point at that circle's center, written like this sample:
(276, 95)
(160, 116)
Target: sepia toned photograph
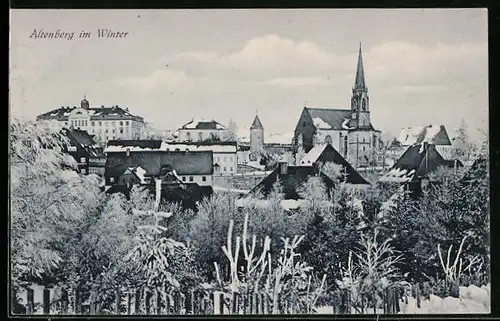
(249, 162)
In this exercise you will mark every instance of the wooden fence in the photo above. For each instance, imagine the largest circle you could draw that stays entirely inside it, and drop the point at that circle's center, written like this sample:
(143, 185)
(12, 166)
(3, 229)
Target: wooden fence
(208, 302)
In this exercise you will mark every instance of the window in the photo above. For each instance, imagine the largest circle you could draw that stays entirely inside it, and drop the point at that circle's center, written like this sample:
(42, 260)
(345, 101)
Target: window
(346, 143)
(217, 159)
(84, 171)
(225, 159)
(93, 123)
(113, 130)
(204, 178)
(374, 142)
(126, 123)
(191, 178)
(230, 169)
(363, 139)
(183, 178)
(121, 123)
(82, 160)
(230, 158)
(328, 139)
(111, 179)
(200, 136)
(106, 131)
(363, 148)
(114, 123)
(121, 130)
(114, 136)
(225, 169)
(304, 124)
(188, 135)
(65, 123)
(100, 123)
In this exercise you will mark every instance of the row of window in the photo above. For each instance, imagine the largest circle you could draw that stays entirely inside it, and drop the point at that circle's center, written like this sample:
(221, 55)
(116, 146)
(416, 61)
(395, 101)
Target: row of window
(217, 169)
(225, 158)
(191, 178)
(84, 123)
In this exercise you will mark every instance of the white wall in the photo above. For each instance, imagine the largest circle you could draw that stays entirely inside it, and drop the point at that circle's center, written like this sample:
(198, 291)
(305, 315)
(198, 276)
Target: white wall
(228, 162)
(197, 179)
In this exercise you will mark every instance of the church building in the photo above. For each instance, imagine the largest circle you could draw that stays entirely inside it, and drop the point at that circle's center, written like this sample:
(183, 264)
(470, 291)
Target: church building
(349, 131)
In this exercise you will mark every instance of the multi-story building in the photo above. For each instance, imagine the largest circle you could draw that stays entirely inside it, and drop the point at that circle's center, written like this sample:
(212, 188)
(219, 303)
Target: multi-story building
(199, 130)
(105, 123)
(225, 159)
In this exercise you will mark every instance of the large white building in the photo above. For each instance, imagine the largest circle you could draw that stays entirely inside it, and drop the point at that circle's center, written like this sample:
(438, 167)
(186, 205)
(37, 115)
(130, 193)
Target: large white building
(199, 130)
(105, 123)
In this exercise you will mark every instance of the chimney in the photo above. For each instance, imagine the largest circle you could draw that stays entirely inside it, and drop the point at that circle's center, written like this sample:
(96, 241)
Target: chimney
(128, 152)
(283, 167)
(102, 106)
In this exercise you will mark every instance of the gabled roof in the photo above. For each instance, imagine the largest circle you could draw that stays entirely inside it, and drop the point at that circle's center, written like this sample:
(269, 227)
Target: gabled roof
(96, 113)
(143, 144)
(82, 139)
(333, 119)
(416, 162)
(433, 134)
(326, 153)
(184, 163)
(291, 182)
(203, 124)
(256, 123)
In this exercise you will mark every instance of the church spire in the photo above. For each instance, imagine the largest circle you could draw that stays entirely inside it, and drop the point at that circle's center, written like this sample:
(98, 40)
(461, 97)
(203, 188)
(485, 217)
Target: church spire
(360, 73)
(256, 123)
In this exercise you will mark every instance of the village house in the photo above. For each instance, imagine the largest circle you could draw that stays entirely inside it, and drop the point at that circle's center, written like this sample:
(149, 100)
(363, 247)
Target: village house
(199, 130)
(414, 167)
(82, 147)
(349, 131)
(105, 123)
(433, 134)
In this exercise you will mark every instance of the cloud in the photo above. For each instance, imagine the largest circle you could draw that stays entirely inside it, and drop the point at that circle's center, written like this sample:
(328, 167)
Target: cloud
(161, 78)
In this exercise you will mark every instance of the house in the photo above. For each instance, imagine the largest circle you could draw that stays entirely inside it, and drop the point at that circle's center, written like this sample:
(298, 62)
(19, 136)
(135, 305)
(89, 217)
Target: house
(192, 166)
(433, 134)
(413, 168)
(224, 153)
(198, 130)
(105, 123)
(349, 131)
(291, 179)
(322, 154)
(82, 147)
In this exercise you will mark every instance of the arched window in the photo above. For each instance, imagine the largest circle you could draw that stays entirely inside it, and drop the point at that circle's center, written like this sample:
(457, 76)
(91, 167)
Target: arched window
(364, 105)
(328, 139)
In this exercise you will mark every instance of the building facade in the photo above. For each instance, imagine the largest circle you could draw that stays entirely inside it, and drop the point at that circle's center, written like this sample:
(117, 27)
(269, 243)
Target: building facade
(349, 131)
(199, 130)
(105, 123)
(81, 146)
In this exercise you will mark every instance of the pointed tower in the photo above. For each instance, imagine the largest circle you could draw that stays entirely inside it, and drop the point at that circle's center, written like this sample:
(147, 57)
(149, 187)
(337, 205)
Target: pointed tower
(256, 135)
(360, 102)
(84, 103)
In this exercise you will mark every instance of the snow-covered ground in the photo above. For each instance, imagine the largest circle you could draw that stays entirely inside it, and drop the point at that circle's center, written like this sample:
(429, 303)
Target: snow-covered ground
(472, 300)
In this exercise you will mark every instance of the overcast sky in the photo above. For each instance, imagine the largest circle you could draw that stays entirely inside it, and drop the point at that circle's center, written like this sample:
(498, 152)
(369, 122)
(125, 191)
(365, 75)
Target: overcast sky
(421, 66)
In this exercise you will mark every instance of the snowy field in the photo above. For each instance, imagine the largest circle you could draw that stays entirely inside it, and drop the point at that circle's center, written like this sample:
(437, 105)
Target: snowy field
(472, 300)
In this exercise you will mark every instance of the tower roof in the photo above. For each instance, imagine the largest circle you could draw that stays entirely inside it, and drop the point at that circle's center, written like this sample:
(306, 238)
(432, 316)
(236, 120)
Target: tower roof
(359, 83)
(256, 123)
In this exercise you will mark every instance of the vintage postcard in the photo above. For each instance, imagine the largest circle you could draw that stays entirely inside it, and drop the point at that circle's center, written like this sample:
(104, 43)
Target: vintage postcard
(213, 162)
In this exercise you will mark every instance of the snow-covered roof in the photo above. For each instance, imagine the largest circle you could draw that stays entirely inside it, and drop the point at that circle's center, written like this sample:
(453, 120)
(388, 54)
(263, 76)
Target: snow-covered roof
(321, 124)
(262, 204)
(203, 124)
(140, 173)
(433, 134)
(345, 124)
(230, 190)
(399, 175)
(172, 147)
(313, 155)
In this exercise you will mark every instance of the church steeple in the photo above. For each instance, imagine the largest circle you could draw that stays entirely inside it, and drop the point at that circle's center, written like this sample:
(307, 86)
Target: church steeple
(256, 123)
(360, 102)
(359, 83)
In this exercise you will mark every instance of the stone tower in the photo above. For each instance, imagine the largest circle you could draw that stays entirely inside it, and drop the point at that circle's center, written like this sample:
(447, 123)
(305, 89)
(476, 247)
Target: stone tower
(256, 135)
(360, 102)
(84, 103)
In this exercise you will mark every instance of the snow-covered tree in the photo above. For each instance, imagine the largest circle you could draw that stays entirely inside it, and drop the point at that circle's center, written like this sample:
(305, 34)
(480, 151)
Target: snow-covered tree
(231, 133)
(313, 190)
(462, 147)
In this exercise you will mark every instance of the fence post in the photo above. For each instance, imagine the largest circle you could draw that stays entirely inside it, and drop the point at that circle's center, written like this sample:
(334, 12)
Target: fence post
(417, 293)
(137, 302)
(235, 303)
(118, 299)
(265, 303)
(78, 301)
(92, 303)
(148, 301)
(129, 302)
(30, 293)
(64, 301)
(251, 302)
(46, 301)
(177, 303)
(386, 300)
(396, 302)
(427, 290)
(190, 309)
(158, 301)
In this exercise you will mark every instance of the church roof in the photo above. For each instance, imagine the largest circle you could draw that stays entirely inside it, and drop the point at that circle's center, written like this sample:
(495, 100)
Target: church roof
(256, 123)
(203, 124)
(333, 119)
